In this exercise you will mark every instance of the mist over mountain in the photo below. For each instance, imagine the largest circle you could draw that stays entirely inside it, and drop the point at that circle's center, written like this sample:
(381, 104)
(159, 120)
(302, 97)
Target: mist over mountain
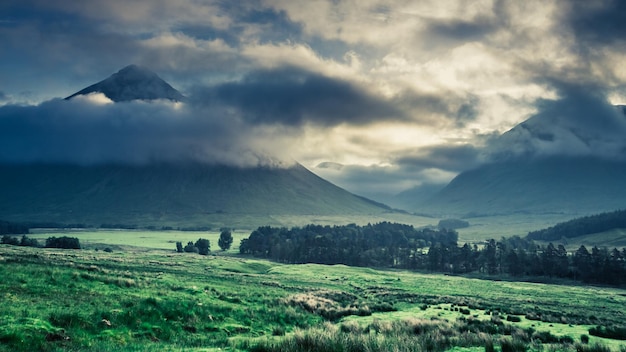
(133, 83)
(570, 158)
(125, 151)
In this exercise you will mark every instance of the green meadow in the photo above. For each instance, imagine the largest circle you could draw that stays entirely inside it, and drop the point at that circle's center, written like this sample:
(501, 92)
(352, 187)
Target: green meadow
(142, 296)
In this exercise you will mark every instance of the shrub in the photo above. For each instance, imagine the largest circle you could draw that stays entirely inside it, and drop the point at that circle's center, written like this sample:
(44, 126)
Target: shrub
(190, 248)
(513, 318)
(179, 247)
(611, 332)
(511, 345)
(584, 339)
(545, 337)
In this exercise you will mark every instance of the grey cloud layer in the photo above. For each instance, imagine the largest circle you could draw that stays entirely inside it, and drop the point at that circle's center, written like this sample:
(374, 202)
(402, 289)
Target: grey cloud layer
(78, 131)
(294, 96)
(458, 70)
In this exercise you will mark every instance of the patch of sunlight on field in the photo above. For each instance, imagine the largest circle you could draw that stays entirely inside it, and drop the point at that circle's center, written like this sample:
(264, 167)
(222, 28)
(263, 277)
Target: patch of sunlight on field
(140, 238)
(496, 227)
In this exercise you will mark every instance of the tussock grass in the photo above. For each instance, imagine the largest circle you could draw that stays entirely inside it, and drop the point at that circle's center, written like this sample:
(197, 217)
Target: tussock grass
(148, 300)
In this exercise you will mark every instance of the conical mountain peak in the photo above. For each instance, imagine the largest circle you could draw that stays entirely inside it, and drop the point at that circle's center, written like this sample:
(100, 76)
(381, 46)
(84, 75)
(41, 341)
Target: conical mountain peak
(133, 83)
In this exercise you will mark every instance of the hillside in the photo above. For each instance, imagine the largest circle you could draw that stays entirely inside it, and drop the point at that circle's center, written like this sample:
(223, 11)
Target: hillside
(583, 226)
(565, 185)
(167, 194)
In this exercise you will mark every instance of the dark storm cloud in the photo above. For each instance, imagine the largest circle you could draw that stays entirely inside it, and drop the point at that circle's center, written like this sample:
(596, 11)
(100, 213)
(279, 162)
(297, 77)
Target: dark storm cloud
(293, 96)
(79, 131)
(595, 22)
(451, 158)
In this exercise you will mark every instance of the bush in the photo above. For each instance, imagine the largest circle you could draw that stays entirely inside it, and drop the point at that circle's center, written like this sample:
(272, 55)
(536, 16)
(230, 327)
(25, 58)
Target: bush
(610, 332)
(179, 247)
(584, 339)
(545, 337)
(513, 318)
(190, 248)
(510, 345)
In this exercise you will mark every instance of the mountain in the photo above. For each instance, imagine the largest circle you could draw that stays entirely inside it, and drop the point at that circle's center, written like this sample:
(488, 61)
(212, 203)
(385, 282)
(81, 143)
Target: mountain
(560, 163)
(168, 194)
(567, 185)
(133, 83)
(177, 194)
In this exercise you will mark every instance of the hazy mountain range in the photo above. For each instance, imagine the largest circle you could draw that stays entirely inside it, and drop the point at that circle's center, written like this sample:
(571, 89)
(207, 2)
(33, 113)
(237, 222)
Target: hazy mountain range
(560, 161)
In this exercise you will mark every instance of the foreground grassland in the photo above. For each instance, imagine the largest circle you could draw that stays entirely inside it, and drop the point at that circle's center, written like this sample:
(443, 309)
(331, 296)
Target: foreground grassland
(152, 300)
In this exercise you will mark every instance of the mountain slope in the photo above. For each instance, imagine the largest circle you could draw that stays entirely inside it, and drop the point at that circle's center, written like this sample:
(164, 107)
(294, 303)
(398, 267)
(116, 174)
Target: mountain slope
(133, 83)
(568, 185)
(125, 194)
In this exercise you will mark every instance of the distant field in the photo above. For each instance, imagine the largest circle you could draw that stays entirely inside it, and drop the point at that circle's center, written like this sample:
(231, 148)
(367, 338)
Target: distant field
(100, 238)
(611, 239)
(142, 299)
(496, 227)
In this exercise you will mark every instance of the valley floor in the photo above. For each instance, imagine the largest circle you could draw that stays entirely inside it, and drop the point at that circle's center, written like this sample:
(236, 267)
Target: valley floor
(136, 298)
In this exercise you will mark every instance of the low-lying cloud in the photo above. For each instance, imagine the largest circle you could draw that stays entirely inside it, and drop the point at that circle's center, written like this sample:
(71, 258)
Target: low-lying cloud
(92, 130)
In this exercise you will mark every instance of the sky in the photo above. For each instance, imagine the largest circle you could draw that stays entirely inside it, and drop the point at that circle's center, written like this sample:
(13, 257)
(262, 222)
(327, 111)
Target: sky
(375, 96)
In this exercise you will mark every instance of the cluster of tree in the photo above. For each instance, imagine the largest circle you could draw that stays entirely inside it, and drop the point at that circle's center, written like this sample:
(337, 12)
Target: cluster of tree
(521, 257)
(51, 242)
(63, 242)
(12, 228)
(582, 226)
(203, 246)
(25, 241)
(402, 246)
(380, 245)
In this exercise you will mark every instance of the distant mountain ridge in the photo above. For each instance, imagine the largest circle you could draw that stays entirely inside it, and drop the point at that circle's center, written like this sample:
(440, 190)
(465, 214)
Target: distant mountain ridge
(167, 193)
(133, 83)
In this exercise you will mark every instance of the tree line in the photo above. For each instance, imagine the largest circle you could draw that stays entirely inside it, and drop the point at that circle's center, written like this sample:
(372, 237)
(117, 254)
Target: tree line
(63, 242)
(390, 245)
(582, 226)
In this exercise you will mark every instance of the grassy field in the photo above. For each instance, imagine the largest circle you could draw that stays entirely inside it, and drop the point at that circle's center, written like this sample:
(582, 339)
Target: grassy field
(103, 238)
(152, 299)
